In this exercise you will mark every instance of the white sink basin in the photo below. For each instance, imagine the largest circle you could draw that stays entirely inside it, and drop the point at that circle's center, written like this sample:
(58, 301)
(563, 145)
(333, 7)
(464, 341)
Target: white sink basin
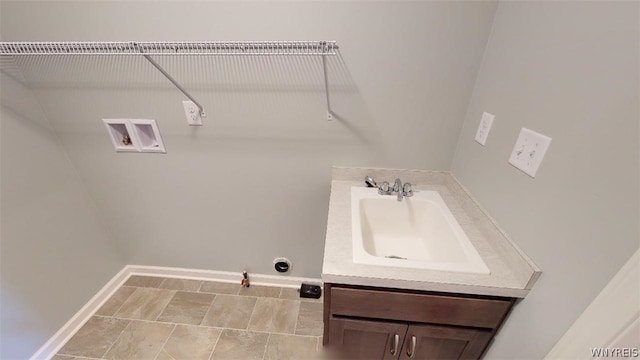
(417, 232)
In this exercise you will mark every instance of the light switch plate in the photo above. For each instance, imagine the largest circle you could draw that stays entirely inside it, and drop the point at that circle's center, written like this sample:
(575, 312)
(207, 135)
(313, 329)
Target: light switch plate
(483, 129)
(529, 151)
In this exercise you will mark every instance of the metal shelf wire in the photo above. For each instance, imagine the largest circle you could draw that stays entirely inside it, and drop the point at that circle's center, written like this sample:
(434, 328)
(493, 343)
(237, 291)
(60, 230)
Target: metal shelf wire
(153, 48)
(260, 48)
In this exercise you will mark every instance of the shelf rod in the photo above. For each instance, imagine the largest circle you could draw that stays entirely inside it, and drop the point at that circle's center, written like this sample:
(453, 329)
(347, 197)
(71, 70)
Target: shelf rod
(173, 81)
(326, 88)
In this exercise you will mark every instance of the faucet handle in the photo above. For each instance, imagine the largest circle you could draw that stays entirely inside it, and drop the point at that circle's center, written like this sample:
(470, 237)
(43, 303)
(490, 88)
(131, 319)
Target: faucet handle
(368, 180)
(384, 189)
(407, 190)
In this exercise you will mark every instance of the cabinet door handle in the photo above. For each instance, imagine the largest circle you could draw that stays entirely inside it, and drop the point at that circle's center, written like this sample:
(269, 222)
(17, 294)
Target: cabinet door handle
(411, 348)
(396, 340)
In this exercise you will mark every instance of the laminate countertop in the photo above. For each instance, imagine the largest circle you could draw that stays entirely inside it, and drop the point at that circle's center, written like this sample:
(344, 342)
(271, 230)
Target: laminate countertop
(512, 273)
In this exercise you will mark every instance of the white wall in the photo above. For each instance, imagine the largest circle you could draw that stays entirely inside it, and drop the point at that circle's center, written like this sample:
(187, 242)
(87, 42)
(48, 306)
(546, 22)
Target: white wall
(253, 183)
(568, 70)
(56, 253)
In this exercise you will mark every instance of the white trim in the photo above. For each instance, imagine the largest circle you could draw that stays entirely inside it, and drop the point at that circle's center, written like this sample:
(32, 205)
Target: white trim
(628, 336)
(608, 320)
(222, 276)
(51, 347)
(55, 343)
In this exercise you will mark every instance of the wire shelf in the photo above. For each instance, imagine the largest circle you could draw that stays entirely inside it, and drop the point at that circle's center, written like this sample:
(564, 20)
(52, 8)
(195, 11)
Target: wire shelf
(171, 48)
(149, 48)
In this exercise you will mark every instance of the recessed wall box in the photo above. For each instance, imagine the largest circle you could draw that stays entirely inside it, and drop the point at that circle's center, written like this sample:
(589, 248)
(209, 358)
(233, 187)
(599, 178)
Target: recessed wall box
(134, 135)
(148, 134)
(120, 132)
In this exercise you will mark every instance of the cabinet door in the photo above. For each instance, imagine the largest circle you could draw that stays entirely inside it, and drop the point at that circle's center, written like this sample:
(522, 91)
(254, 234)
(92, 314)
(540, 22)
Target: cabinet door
(359, 339)
(442, 342)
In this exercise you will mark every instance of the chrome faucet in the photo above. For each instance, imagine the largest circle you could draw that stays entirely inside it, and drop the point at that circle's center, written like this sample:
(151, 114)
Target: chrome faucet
(397, 187)
(402, 190)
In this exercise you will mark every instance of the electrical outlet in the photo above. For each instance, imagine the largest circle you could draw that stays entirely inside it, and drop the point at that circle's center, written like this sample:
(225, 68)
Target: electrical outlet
(529, 151)
(485, 126)
(192, 112)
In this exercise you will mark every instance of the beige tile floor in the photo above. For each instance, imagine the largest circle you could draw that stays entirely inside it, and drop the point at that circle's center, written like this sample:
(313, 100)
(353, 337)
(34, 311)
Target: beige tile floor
(170, 319)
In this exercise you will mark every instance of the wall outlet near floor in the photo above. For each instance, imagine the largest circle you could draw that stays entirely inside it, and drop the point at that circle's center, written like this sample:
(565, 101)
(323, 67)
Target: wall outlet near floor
(483, 129)
(529, 151)
(192, 112)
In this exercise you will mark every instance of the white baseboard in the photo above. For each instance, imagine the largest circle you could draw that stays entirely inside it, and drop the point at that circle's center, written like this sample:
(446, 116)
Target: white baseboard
(222, 276)
(55, 343)
(51, 347)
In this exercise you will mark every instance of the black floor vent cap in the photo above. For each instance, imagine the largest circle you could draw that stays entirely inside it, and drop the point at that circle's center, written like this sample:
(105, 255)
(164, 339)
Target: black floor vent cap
(310, 291)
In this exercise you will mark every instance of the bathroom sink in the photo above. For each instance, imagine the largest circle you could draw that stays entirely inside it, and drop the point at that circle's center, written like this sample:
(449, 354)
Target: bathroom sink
(417, 232)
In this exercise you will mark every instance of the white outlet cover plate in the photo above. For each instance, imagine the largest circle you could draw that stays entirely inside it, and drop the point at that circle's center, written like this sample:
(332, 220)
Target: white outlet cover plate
(483, 129)
(529, 151)
(192, 113)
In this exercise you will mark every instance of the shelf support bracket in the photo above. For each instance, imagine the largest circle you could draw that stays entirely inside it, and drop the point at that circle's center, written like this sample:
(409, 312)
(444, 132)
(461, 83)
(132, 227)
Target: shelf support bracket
(326, 86)
(173, 81)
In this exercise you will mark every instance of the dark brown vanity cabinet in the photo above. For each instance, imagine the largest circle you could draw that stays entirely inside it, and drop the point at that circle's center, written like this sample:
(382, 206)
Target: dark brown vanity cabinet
(378, 323)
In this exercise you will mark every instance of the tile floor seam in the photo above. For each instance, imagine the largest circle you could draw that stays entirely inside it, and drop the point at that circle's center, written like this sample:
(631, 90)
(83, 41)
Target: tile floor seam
(153, 289)
(220, 293)
(253, 308)
(201, 285)
(165, 342)
(242, 296)
(295, 327)
(215, 344)
(104, 316)
(116, 340)
(169, 355)
(279, 333)
(165, 307)
(162, 282)
(251, 316)
(134, 319)
(167, 322)
(121, 305)
(181, 279)
(209, 309)
(214, 296)
(208, 326)
(266, 346)
(188, 291)
(297, 302)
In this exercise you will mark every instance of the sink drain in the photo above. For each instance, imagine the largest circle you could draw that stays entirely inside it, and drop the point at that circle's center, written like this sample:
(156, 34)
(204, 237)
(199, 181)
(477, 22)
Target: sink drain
(395, 257)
